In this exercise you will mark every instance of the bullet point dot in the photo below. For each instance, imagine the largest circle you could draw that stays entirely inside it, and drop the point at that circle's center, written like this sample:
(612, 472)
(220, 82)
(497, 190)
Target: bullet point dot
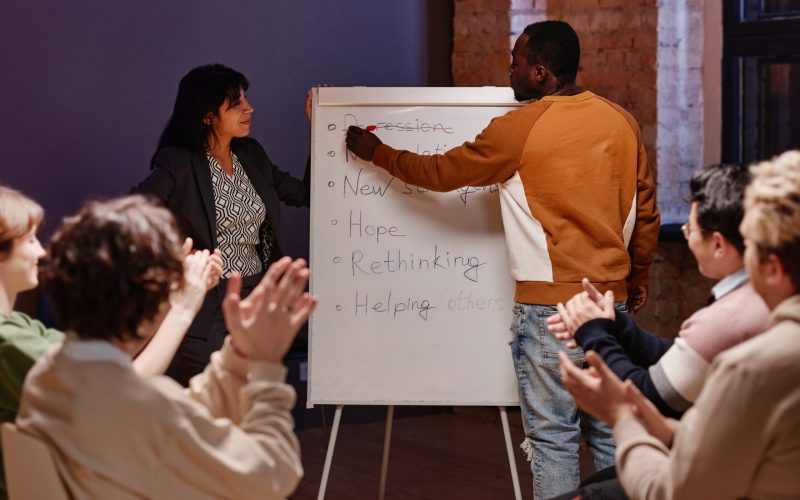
(331, 153)
(336, 260)
(338, 308)
(331, 126)
(334, 222)
(331, 184)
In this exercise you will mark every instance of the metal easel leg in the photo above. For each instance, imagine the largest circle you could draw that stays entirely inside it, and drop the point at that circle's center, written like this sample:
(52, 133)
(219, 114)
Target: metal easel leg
(510, 449)
(387, 439)
(337, 416)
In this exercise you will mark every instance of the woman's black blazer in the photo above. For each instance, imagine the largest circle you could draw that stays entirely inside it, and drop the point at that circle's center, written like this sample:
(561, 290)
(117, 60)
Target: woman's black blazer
(181, 180)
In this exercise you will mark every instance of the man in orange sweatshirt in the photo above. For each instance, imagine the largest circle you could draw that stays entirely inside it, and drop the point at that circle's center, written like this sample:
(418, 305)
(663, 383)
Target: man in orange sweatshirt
(577, 199)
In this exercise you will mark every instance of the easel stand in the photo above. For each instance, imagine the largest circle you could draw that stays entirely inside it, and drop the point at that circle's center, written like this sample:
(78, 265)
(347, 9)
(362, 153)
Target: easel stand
(387, 438)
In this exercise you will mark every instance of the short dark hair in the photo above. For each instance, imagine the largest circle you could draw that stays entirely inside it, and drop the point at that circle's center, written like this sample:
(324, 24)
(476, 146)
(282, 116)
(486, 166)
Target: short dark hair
(112, 266)
(554, 44)
(201, 91)
(719, 192)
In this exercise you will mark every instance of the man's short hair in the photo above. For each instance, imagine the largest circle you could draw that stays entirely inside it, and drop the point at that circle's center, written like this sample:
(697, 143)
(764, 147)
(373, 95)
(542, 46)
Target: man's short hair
(719, 192)
(772, 203)
(112, 267)
(555, 45)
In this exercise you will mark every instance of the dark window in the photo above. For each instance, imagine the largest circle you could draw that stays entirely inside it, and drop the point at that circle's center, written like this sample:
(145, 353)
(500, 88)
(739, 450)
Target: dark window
(761, 90)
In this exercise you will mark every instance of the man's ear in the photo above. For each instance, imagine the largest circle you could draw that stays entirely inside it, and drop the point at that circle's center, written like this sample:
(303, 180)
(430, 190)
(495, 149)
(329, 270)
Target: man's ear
(773, 270)
(721, 244)
(539, 73)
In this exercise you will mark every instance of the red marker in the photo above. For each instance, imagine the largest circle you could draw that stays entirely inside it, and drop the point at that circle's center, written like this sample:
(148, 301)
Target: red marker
(371, 128)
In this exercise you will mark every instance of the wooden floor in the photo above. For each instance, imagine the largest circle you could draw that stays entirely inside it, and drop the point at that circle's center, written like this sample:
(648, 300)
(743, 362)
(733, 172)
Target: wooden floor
(458, 455)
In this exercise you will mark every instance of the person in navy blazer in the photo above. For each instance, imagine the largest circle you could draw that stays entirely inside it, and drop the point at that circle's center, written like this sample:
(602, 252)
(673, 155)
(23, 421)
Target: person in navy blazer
(204, 146)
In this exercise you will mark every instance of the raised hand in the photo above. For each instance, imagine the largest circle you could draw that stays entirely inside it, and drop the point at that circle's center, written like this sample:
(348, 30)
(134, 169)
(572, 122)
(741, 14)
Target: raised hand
(557, 323)
(593, 292)
(216, 269)
(309, 96)
(263, 325)
(197, 269)
(582, 308)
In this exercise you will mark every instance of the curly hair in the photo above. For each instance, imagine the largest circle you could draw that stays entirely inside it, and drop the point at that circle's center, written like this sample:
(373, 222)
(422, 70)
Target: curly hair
(719, 193)
(112, 267)
(772, 205)
(18, 215)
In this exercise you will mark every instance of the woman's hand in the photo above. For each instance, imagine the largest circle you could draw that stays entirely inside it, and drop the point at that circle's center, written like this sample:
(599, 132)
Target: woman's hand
(309, 96)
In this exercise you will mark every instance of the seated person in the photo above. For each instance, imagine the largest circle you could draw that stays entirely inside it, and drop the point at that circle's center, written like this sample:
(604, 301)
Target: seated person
(109, 274)
(23, 340)
(741, 438)
(669, 373)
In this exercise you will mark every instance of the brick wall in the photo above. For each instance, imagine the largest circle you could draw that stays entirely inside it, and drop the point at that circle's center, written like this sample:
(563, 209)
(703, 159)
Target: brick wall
(480, 43)
(618, 55)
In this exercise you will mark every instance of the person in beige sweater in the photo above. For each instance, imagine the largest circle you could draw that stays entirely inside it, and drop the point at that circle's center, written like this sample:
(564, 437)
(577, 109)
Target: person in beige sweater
(741, 438)
(116, 434)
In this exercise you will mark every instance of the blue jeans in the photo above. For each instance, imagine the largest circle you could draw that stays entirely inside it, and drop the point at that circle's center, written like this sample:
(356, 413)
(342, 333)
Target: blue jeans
(552, 422)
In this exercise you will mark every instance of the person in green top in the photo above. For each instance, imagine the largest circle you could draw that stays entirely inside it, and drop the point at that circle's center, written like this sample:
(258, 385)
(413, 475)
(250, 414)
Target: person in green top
(23, 339)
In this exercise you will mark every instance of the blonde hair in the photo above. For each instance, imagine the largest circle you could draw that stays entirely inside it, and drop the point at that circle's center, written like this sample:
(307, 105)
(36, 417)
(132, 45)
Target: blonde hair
(18, 215)
(772, 207)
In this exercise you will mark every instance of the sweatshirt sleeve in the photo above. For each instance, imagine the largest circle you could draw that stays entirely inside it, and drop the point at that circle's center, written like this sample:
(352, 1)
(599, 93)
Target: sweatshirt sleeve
(717, 448)
(246, 447)
(644, 239)
(644, 348)
(491, 158)
(596, 335)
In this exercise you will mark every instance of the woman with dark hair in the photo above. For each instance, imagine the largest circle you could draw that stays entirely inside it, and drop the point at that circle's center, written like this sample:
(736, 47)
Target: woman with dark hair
(115, 434)
(224, 191)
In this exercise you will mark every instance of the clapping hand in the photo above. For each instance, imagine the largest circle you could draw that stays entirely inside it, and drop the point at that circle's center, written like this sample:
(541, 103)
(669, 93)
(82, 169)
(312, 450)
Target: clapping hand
(263, 325)
(198, 269)
(585, 306)
(597, 390)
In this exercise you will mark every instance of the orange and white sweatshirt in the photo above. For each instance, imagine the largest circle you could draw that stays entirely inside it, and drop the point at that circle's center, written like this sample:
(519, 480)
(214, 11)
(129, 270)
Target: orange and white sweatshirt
(576, 191)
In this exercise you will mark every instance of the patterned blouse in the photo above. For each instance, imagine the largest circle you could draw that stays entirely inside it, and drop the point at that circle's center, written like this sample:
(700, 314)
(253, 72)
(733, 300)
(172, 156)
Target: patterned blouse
(244, 233)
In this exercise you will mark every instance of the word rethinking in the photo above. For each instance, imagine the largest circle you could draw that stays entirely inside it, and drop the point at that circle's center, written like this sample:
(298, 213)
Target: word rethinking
(405, 262)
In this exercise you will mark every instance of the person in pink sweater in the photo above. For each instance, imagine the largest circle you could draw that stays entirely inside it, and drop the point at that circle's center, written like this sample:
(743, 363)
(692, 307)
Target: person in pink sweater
(671, 373)
(741, 438)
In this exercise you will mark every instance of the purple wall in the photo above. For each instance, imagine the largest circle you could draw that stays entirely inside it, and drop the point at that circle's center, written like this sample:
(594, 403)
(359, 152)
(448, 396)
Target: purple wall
(86, 87)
